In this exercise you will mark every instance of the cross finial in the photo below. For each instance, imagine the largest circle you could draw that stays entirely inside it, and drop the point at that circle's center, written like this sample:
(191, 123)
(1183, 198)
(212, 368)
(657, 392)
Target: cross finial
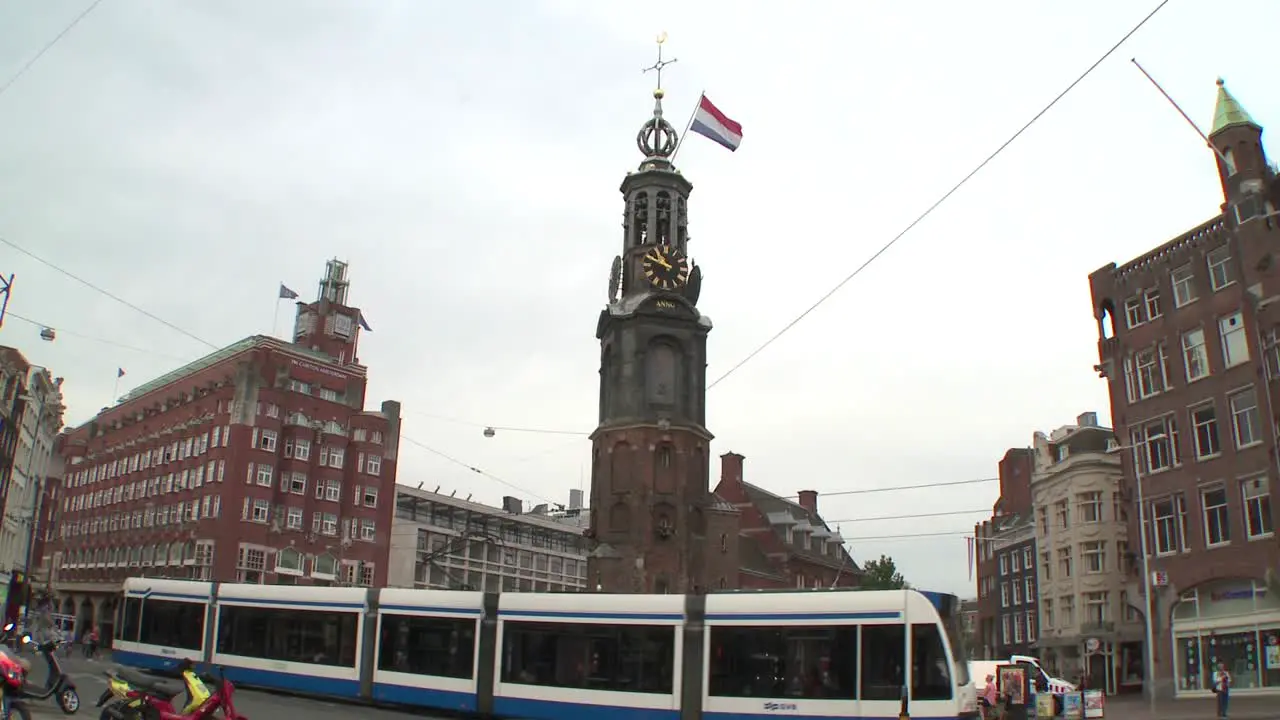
(660, 64)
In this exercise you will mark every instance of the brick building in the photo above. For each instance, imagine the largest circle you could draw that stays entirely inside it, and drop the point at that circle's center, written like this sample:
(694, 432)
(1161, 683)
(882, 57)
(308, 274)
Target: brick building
(257, 463)
(1190, 348)
(1006, 564)
(654, 522)
(783, 543)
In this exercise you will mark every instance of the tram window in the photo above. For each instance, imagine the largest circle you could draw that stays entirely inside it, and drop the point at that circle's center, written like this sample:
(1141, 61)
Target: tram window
(302, 636)
(621, 658)
(170, 623)
(443, 647)
(129, 628)
(930, 669)
(810, 663)
(884, 650)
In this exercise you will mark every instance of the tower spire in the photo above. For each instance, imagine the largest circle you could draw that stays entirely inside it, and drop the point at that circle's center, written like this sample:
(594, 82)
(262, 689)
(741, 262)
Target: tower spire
(657, 138)
(1228, 112)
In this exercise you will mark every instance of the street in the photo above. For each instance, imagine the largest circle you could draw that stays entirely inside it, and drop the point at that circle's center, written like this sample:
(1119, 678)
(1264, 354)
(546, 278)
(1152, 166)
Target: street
(90, 683)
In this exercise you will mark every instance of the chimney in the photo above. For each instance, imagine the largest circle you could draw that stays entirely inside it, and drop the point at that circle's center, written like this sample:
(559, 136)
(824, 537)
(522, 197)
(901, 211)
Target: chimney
(575, 499)
(809, 500)
(731, 467)
(1089, 419)
(512, 504)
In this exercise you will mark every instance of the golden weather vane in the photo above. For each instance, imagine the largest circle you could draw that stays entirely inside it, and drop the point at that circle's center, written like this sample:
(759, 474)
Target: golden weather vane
(660, 64)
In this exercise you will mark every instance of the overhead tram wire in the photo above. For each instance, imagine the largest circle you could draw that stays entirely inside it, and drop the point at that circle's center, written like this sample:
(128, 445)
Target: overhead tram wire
(10, 315)
(946, 196)
(474, 469)
(913, 516)
(48, 46)
(922, 486)
(107, 293)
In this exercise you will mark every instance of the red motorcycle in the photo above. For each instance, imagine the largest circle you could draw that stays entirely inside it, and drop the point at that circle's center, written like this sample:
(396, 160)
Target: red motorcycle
(13, 678)
(133, 696)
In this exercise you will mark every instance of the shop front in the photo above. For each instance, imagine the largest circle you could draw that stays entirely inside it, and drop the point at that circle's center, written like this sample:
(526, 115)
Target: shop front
(1235, 623)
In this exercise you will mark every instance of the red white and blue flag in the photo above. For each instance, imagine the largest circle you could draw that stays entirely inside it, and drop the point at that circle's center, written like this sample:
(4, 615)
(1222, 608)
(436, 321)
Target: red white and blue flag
(709, 122)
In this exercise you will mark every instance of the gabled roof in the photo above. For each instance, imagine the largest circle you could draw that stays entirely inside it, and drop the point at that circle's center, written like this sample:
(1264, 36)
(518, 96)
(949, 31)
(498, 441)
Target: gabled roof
(779, 511)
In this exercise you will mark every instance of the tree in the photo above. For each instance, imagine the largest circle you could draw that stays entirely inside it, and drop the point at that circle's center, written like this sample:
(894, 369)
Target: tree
(882, 574)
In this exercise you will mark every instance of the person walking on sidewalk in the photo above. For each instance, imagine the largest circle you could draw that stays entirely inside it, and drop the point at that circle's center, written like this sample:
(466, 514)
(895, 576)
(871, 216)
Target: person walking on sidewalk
(91, 643)
(1222, 689)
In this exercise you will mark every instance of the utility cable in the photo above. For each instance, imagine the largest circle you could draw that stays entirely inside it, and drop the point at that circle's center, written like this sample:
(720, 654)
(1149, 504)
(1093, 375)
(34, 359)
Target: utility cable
(473, 468)
(896, 488)
(946, 196)
(48, 46)
(107, 293)
(63, 331)
(945, 513)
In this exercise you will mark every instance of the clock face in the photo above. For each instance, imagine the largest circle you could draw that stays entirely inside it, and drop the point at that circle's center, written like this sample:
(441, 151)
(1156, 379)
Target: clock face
(665, 267)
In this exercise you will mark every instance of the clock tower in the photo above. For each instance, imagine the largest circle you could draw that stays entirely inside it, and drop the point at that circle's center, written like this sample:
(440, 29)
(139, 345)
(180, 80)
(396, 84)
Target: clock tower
(655, 523)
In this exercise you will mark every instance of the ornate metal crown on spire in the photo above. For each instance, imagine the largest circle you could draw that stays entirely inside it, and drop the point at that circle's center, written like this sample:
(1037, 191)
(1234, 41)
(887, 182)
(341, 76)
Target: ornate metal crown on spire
(657, 139)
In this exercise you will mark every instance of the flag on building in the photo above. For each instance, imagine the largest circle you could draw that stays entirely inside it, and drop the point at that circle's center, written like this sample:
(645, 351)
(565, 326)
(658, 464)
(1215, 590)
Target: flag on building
(363, 324)
(709, 122)
(119, 373)
(286, 293)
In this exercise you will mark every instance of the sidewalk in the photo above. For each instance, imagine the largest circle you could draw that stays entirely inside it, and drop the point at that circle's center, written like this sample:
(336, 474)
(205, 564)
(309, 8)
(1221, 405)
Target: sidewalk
(1241, 708)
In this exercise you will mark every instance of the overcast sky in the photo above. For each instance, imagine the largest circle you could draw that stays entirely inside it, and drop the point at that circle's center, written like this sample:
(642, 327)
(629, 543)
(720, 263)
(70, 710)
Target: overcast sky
(465, 159)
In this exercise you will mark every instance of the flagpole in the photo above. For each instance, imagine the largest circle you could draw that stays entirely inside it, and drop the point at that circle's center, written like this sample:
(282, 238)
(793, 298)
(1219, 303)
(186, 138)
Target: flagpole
(683, 135)
(275, 316)
(115, 390)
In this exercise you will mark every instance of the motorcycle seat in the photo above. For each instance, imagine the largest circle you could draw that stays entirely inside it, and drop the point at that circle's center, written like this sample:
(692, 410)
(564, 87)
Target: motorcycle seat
(150, 684)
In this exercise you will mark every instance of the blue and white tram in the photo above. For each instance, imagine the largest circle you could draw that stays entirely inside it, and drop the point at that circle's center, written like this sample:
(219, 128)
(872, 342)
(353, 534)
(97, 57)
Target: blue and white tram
(726, 656)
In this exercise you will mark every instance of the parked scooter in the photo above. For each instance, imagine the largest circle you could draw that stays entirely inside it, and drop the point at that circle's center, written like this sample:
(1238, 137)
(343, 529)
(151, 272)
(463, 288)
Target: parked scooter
(58, 685)
(132, 696)
(13, 676)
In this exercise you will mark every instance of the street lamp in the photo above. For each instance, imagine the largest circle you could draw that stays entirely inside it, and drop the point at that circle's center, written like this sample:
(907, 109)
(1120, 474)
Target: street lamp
(1149, 602)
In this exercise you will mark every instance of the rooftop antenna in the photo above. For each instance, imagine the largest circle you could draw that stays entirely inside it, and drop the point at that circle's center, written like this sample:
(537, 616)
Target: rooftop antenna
(419, 486)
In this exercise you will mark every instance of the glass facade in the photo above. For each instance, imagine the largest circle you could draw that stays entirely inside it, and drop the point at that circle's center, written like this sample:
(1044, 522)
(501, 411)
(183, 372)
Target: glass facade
(1235, 624)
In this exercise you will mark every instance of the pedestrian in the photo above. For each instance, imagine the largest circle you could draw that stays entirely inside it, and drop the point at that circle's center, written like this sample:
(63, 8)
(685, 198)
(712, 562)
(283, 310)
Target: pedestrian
(91, 643)
(1222, 689)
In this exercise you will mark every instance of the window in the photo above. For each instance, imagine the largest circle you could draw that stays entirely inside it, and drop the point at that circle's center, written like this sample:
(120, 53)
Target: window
(1031, 626)
(1017, 593)
(1095, 607)
(1235, 342)
(1028, 559)
(619, 658)
(368, 530)
(1184, 286)
(1271, 353)
(373, 465)
(166, 623)
(1042, 519)
(1029, 588)
(1195, 356)
(369, 497)
(1217, 520)
(1168, 515)
(1045, 566)
(885, 646)
(336, 457)
(1046, 607)
(294, 521)
(268, 440)
(1064, 562)
(342, 325)
(1017, 628)
(1004, 594)
(1150, 372)
(327, 394)
(930, 678)
(1133, 311)
(266, 475)
(261, 510)
(1067, 610)
(1094, 556)
(294, 483)
(1152, 301)
(1014, 565)
(1205, 420)
(1159, 439)
(1244, 418)
(1004, 564)
(1219, 268)
(1006, 634)
(1091, 507)
(436, 646)
(1063, 514)
(330, 490)
(1257, 507)
(312, 637)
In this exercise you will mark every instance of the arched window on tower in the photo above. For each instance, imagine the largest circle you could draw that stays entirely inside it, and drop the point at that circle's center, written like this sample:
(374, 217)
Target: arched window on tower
(640, 219)
(662, 372)
(1229, 160)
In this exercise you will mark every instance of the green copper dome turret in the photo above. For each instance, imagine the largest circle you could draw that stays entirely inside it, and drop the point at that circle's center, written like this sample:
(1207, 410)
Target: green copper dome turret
(1228, 112)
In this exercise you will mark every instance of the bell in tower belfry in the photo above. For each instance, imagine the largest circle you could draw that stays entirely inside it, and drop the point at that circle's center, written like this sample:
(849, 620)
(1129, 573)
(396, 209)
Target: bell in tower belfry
(651, 508)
